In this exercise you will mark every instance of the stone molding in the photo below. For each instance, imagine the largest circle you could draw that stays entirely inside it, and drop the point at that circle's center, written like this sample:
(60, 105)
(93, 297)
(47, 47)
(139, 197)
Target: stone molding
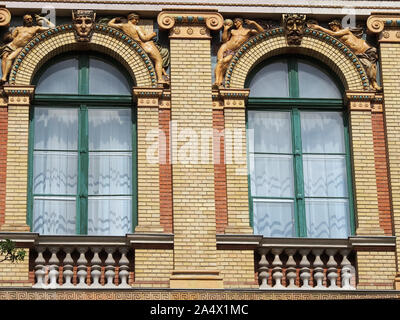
(230, 98)
(18, 95)
(45, 45)
(190, 24)
(322, 46)
(387, 26)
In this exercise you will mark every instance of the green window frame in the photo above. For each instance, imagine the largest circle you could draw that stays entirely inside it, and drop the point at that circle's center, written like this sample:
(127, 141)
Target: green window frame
(83, 102)
(294, 104)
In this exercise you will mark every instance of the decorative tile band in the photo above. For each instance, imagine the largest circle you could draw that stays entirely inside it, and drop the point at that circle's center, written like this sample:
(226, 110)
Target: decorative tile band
(265, 36)
(99, 28)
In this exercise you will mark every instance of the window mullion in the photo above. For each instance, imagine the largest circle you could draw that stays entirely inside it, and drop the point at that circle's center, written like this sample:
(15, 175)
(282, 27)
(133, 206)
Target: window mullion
(300, 220)
(83, 81)
(293, 78)
(83, 167)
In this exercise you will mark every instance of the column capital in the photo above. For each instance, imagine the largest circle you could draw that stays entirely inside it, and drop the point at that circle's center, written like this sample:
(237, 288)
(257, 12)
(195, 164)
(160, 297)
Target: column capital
(230, 98)
(19, 95)
(5, 16)
(150, 97)
(387, 26)
(190, 24)
(360, 100)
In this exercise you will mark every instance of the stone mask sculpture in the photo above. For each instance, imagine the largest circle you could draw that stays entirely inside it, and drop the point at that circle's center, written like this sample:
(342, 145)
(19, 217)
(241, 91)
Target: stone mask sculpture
(294, 26)
(83, 22)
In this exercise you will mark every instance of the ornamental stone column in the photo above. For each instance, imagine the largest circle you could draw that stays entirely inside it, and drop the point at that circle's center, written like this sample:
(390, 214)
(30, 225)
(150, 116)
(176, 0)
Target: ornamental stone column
(387, 27)
(19, 98)
(195, 252)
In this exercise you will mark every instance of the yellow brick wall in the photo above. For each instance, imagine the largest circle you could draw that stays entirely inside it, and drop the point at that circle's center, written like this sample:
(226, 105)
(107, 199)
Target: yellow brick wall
(236, 172)
(148, 171)
(153, 268)
(376, 270)
(366, 196)
(193, 183)
(15, 274)
(390, 64)
(237, 268)
(17, 168)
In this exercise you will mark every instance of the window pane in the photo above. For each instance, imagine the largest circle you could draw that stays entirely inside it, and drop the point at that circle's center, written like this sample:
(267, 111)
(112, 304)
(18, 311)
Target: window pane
(109, 215)
(274, 218)
(327, 218)
(54, 216)
(322, 132)
(110, 129)
(269, 131)
(110, 173)
(315, 82)
(325, 176)
(55, 172)
(271, 81)
(271, 175)
(61, 78)
(104, 78)
(56, 129)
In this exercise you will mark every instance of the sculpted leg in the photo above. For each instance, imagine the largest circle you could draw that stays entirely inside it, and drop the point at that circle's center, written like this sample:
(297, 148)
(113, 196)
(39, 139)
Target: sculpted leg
(7, 64)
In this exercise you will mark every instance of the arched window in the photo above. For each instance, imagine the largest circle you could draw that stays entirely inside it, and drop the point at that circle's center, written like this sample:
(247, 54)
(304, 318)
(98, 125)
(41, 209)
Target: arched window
(82, 148)
(299, 165)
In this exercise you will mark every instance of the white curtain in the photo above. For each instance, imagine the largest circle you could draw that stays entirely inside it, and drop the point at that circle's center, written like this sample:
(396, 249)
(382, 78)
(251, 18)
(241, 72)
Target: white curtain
(110, 172)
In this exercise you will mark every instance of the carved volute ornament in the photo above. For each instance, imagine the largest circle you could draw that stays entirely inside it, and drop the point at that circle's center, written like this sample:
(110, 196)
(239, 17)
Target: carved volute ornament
(137, 33)
(367, 55)
(16, 41)
(5, 17)
(234, 35)
(83, 22)
(294, 26)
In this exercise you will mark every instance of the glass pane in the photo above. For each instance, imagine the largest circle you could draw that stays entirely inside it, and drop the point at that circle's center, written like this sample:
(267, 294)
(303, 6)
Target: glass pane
(274, 218)
(110, 173)
(327, 218)
(54, 216)
(55, 172)
(104, 78)
(56, 129)
(109, 215)
(61, 78)
(325, 176)
(271, 175)
(271, 81)
(322, 132)
(269, 131)
(110, 129)
(315, 82)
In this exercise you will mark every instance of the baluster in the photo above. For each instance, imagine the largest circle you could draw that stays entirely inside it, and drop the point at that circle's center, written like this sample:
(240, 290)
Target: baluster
(123, 269)
(110, 268)
(82, 268)
(305, 274)
(291, 269)
(39, 269)
(53, 273)
(347, 270)
(68, 267)
(318, 269)
(96, 268)
(332, 269)
(277, 274)
(263, 273)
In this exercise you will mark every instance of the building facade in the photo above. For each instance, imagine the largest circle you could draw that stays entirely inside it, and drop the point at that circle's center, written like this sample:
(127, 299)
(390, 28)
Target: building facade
(151, 149)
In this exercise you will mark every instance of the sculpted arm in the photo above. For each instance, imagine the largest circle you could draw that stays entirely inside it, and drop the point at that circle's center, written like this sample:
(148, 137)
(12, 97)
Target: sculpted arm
(112, 23)
(256, 25)
(40, 21)
(330, 32)
(226, 35)
(143, 36)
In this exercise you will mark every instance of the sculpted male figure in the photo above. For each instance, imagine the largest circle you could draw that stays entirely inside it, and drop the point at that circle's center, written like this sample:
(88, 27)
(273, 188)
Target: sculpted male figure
(232, 40)
(368, 55)
(18, 39)
(139, 35)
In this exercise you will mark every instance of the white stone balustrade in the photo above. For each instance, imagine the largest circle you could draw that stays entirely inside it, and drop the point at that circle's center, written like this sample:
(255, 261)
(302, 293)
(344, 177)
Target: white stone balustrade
(81, 267)
(307, 268)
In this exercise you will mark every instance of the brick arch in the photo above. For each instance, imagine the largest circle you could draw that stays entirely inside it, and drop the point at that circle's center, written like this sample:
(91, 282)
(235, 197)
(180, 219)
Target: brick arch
(330, 51)
(104, 39)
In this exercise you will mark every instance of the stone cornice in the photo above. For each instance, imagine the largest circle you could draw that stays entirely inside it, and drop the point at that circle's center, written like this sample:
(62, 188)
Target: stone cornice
(152, 97)
(387, 26)
(185, 24)
(230, 98)
(19, 95)
(361, 100)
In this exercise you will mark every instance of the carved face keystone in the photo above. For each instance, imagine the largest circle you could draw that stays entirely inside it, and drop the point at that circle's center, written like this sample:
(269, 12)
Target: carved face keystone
(294, 26)
(83, 22)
